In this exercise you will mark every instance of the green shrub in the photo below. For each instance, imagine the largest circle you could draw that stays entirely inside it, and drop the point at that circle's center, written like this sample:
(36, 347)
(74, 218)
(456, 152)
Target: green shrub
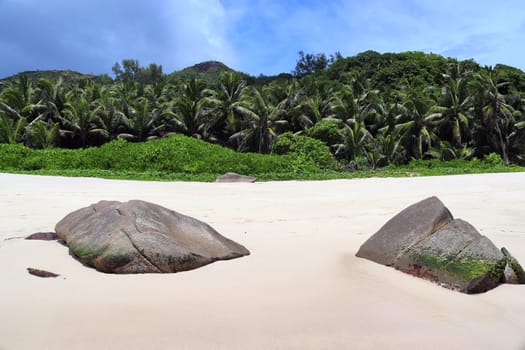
(328, 131)
(183, 158)
(304, 151)
(176, 154)
(13, 155)
(493, 159)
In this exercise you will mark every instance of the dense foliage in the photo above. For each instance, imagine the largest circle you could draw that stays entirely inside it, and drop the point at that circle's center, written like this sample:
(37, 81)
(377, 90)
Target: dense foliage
(175, 156)
(371, 110)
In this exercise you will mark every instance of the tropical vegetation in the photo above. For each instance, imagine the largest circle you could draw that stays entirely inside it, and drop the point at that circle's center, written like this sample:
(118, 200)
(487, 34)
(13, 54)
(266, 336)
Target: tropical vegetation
(370, 111)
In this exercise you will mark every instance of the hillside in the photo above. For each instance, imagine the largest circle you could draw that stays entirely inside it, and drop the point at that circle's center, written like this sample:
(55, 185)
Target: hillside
(66, 75)
(389, 70)
(383, 70)
(208, 70)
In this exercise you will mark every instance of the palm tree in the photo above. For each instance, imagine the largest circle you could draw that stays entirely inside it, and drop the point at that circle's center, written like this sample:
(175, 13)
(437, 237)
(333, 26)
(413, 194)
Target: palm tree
(143, 122)
(109, 117)
(192, 110)
(222, 120)
(390, 149)
(79, 120)
(188, 117)
(11, 130)
(156, 90)
(385, 112)
(52, 97)
(456, 102)
(493, 111)
(125, 94)
(259, 118)
(445, 151)
(355, 101)
(316, 108)
(416, 126)
(517, 137)
(293, 102)
(41, 135)
(355, 140)
(17, 99)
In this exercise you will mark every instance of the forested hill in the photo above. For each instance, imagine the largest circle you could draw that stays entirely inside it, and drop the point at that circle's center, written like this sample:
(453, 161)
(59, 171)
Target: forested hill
(371, 109)
(131, 69)
(389, 70)
(384, 71)
(49, 74)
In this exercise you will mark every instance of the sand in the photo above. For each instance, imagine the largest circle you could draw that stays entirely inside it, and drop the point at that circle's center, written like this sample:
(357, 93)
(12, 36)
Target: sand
(301, 288)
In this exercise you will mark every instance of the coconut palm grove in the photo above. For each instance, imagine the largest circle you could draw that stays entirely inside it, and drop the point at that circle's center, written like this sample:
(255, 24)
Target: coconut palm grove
(371, 110)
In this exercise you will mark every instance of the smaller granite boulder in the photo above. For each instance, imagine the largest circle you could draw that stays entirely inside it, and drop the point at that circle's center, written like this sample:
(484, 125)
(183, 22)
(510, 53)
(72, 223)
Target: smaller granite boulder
(234, 177)
(425, 241)
(142, 237)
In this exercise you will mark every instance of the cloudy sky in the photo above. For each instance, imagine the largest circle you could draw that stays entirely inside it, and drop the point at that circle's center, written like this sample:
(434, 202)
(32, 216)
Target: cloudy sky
(253, 36)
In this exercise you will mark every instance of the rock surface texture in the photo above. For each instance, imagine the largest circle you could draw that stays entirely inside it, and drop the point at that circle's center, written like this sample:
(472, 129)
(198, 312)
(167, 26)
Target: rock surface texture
(142, 237)
(426, 241)
(234, 177)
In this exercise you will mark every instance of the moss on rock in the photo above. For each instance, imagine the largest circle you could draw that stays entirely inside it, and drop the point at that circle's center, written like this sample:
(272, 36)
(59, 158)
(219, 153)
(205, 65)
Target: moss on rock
(466, 269)
(514, 265)
(467, 275)
(83, 252)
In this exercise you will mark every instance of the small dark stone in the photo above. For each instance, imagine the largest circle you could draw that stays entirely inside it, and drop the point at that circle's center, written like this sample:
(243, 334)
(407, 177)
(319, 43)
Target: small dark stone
(234, 177)
(41, 273)
(44, 236)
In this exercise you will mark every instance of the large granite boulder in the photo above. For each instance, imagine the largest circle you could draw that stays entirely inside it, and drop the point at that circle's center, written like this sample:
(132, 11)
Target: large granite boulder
(426, 241)
(141, 237)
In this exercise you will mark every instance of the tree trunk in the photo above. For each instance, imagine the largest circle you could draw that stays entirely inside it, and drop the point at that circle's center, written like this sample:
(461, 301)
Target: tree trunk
(502, 142)
(503, 145)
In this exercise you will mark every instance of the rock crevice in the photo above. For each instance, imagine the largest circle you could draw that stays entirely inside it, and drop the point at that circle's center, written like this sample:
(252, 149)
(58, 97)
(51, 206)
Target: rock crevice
(139, 250)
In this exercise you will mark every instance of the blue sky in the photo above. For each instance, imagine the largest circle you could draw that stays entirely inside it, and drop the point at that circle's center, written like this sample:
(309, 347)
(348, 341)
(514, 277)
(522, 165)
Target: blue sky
(253, 36)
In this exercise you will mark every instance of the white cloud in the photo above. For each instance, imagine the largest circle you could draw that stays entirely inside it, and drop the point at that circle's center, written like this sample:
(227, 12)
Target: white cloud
(198, 32)
(250, 35)
(90, 36)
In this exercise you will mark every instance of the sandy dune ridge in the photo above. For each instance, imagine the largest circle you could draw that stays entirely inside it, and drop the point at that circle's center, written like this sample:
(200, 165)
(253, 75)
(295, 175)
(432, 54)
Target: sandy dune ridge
(302, 287)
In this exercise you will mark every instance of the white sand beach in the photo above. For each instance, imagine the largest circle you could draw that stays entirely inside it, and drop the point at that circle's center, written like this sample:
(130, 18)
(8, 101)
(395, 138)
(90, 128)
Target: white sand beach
(301, 288)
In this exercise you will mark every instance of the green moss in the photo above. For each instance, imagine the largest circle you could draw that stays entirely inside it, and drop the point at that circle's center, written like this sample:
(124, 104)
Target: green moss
(498, 269)
(468, 269)
(111, 258)
(514, 265)
(83, 253)
(464, 269)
